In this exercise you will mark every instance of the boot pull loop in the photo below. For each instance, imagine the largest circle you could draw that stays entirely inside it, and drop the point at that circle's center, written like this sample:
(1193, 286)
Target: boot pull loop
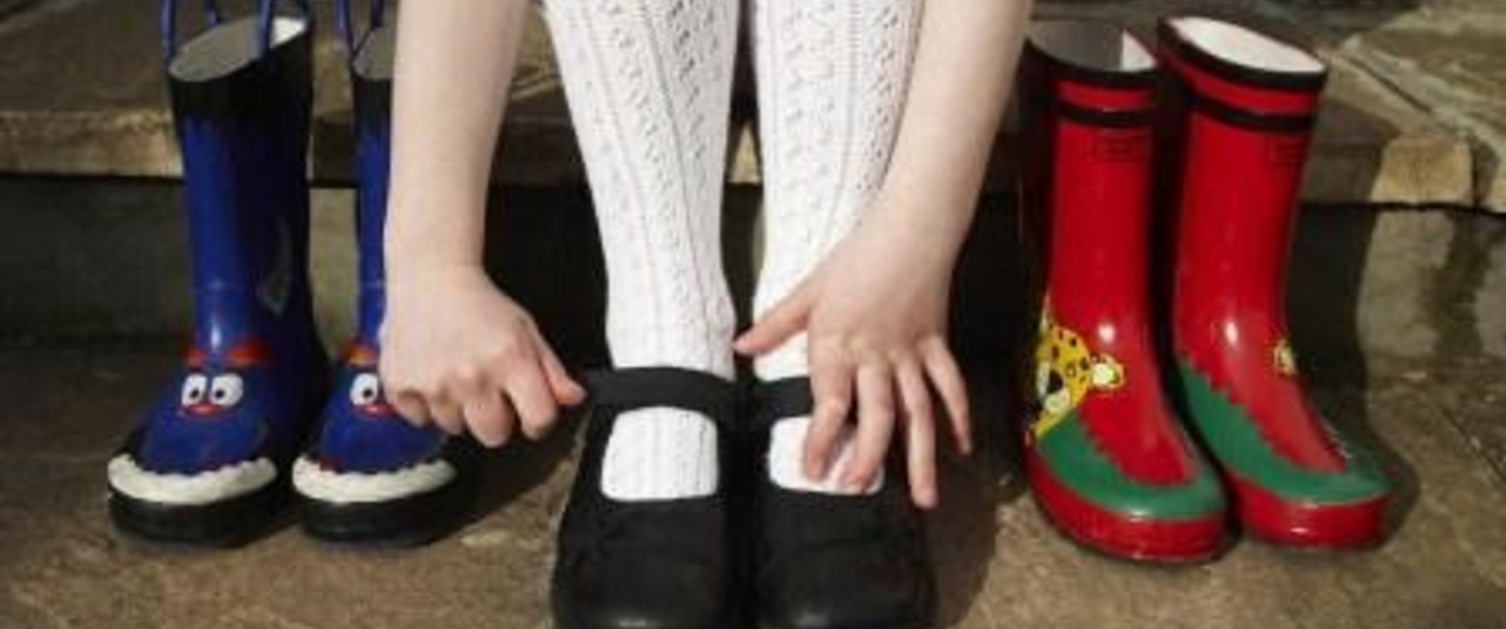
(376, 18)
(170, 24)
(266, 15)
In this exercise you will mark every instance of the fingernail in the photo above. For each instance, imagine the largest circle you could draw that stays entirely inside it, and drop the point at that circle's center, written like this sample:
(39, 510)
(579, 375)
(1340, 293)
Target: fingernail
(811, 474)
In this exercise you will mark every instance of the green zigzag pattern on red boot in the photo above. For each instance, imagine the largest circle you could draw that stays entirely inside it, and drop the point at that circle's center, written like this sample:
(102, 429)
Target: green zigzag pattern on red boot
(1238, 445)
(1076, 461)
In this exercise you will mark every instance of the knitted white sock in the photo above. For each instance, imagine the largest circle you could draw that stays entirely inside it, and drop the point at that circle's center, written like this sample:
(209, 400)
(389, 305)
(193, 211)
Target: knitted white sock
(832, 80)
(649, 84)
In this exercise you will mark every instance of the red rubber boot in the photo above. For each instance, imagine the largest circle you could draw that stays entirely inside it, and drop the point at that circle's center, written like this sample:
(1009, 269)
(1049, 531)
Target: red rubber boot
(1241, 111)
(1109, 463)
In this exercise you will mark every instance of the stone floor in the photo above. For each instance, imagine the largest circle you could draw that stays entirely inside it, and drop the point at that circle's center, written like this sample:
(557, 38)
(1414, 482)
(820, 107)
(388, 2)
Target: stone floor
(1000, 564)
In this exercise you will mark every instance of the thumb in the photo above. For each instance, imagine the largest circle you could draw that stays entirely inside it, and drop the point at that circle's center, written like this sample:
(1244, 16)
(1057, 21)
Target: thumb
(786, 319)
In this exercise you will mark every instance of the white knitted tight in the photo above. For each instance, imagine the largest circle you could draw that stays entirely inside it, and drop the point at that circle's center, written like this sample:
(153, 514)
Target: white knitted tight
(649, 85)
(832, 79)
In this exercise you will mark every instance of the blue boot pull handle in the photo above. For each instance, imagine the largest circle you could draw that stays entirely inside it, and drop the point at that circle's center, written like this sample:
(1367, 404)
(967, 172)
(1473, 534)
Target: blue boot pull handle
(266, 11)
(376, 17)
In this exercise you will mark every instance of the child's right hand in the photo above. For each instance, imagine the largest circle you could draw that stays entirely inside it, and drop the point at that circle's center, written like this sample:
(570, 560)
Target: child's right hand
(458, 352)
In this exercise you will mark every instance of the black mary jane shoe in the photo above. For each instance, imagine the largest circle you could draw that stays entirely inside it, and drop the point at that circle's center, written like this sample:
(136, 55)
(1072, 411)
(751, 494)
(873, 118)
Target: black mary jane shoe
(834, 562)
(663, 564)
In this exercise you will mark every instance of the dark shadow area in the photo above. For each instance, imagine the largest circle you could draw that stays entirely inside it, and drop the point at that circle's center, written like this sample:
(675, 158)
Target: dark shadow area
(1329, 257)
(1328, 266)
(543, 249)
(741, 235)
(964, 530)
(994, 305)
(1327, 269)
(990, 316)
(1460, 280)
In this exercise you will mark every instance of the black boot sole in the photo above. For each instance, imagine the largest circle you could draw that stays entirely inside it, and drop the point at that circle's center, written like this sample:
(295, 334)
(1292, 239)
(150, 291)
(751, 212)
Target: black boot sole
(414, 521)
(225, 524)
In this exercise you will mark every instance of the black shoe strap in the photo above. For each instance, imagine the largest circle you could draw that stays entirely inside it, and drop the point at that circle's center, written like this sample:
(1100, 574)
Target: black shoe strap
(782, 399)
(646, 387)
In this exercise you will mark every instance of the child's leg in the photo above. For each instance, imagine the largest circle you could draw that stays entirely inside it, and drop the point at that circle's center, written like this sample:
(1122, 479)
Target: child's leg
(832, 79)
(649, 84)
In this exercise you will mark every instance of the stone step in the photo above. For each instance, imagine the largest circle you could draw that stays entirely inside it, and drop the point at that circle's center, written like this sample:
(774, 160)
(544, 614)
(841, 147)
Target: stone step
(1386, 138)
(109, 259)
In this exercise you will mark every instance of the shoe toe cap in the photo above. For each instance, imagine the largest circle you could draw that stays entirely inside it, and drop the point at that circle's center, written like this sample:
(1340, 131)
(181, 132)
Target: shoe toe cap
(848, 587)
(640, 591)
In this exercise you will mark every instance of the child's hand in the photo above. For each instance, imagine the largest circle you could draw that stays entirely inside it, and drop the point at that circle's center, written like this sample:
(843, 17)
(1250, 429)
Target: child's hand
(875, 312)
(458, 352)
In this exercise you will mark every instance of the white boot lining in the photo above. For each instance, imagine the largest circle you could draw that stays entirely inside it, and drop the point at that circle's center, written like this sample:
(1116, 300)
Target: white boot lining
(228, 47)
(1103, 47)
(1242, 46)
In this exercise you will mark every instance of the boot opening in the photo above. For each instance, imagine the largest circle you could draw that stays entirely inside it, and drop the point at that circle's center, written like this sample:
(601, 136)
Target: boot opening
(222, 50)
(1096, 46)
(373, 60)
(1242, 46)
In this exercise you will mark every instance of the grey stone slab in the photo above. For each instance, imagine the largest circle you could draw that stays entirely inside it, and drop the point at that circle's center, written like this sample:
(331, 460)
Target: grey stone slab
(1000, 564)
(1442, 56)
(82, 93)
(98, 109)
(1453, 62)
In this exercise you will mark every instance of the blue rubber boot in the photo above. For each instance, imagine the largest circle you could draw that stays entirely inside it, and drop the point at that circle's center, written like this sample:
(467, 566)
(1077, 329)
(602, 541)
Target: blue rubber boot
(209, 463)
(371, 477)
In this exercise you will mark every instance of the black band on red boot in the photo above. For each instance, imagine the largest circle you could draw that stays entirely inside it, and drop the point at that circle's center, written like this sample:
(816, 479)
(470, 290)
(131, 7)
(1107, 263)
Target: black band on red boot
(1254, 121)
(826, 561)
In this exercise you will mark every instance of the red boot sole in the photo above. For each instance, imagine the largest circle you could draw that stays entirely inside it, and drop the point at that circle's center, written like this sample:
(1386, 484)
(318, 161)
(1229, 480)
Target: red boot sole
(1120, 536)
(1264, 515)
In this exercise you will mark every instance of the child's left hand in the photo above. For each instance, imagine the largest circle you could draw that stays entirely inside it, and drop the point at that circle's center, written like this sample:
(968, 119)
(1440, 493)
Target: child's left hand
(875, 311)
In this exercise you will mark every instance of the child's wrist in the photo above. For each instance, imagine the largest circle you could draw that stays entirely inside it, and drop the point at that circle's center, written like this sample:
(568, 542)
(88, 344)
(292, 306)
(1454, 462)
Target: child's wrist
(926, 228)
(426, 249)
(418, 268)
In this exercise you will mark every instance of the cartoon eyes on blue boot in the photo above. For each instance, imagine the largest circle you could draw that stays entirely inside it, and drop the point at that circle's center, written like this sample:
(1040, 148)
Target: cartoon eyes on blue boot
(207, 397)
(203, 454)
(372, 476)
(366, 397)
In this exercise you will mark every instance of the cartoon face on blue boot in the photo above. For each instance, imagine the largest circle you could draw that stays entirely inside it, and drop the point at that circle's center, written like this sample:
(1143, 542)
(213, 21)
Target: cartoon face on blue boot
(366, 451)
(207, 439)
